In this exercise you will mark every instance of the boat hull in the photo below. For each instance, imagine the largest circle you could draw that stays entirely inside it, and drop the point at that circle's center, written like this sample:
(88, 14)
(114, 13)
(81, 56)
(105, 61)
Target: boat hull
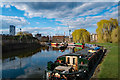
(71, 44)
(56, 44)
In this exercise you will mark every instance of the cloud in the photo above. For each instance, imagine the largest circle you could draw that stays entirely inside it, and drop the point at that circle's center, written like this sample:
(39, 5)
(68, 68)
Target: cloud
(60, 1)
(42, 30)
(37, 23)
(17, 65)
(4, 31)
(13, 20)
(76, 15)
(59, 10)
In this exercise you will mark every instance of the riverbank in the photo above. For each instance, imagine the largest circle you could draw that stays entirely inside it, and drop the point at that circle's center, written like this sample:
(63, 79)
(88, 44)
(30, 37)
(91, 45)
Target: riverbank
(108, 68)
(24, 52)
(19, 46)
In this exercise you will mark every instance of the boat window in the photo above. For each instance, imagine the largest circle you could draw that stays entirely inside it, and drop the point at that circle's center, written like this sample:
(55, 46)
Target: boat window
(73, 60)
(68, 60)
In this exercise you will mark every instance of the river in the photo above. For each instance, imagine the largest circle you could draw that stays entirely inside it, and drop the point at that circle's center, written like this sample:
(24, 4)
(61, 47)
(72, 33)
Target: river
(28, 63)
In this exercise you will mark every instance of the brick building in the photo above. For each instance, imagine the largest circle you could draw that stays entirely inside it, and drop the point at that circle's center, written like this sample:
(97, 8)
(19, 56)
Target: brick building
(60, 39)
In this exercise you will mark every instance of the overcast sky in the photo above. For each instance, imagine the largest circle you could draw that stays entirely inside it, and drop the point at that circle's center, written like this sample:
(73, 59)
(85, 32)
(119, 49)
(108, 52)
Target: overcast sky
(50, 18)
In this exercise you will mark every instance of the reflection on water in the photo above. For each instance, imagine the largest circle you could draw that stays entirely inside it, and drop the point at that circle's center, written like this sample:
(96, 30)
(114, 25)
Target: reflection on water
(30, 63)
(0, 68)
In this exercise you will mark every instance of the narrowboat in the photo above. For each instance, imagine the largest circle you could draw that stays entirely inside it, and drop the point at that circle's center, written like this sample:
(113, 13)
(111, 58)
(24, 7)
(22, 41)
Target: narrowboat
(71, 44)
(56, 44)
(62, 47)
(77, 64)
(79, 45)
(93, 49)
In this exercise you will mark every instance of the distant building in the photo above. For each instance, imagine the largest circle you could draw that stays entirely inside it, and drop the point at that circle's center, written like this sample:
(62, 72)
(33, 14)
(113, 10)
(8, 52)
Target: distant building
(67, 39)
(58, 38)
(44, 39)
(12, 30)
(93, 37)
(61, 39)
(38, 36)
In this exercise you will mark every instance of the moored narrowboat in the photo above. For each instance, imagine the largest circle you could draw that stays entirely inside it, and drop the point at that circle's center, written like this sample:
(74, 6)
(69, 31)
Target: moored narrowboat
(71, 44)
(56, 44)
(77, 64)
(79, 45)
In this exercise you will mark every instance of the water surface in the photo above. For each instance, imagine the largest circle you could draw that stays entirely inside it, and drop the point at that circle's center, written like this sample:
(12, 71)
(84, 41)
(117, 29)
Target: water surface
(29, 64)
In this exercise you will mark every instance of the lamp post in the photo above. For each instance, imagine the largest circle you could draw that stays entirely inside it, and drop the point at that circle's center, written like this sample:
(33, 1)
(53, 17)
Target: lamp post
(69, 32)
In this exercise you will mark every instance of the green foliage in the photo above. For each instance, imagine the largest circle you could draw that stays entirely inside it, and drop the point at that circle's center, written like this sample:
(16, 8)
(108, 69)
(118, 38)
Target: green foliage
(19, 33)
(24, 34)
(114, 35)
(105, 28)
(25, 37)
(81, 35)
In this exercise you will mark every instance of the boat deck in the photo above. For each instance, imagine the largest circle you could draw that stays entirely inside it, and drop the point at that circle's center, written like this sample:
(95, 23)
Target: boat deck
(63, 68)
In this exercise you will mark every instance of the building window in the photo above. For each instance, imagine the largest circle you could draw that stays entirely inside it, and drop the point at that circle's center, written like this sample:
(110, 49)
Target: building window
(73, 60)
(68, 60)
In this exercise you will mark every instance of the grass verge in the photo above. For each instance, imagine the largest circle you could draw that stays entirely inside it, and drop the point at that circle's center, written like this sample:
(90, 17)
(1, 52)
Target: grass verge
(109, 66)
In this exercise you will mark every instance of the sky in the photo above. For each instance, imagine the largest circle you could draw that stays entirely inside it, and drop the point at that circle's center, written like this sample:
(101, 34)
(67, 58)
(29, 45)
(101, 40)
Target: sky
(55, 18)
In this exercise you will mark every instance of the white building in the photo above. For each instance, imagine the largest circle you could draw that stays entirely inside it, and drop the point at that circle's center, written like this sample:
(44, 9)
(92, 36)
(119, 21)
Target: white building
(93, 37)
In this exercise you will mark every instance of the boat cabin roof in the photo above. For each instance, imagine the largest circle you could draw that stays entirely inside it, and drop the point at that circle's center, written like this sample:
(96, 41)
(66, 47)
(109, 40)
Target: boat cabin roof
(83, 53)
(72, 54)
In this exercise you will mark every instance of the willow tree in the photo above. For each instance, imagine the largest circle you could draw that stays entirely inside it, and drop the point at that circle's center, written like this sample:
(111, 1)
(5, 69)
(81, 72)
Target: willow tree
(105, 28)
(115, 35)
(81, 35)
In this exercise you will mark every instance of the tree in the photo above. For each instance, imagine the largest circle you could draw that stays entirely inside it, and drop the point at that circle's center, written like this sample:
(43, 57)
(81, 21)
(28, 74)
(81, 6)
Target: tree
(105, 28)
(115, 34)
(81, 35)
(26, 34)
(20, 34)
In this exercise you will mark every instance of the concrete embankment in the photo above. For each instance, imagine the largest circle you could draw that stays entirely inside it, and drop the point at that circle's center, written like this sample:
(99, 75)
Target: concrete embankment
(19, 46)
